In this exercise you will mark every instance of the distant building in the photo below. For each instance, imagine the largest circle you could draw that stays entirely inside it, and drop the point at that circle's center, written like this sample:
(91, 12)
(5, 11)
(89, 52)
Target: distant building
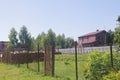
(3, 45)
(92, 39)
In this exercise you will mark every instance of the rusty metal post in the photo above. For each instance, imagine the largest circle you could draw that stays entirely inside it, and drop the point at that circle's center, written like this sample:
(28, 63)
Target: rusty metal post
(38, 59)
(53, 60)
(18, 58)
(27, 58)
(76, 65)
(111, 56)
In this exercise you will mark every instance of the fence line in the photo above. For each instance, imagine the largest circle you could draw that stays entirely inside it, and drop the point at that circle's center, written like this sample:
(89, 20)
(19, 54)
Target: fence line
(87, 49)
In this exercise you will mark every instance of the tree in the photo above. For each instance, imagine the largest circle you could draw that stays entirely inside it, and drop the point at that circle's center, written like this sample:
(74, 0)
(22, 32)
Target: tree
(13, 39)
(118, 19)
(69, 42)
(38, 40)
(60, 41)
(50, 39)
(41, 40)
(25, 38)
(109, 37)
(33, 44)
(117, 34)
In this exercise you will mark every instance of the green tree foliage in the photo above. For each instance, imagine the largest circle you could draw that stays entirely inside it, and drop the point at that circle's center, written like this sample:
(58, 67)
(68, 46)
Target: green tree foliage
(118, 19)
(69, 42)
(60, 41)
(25, 38)
(99, 65)
(41, 40)
(46, 39)
(51, 38)
(117, 34)
(38, 39)
(13, 39)
(109, 37)
(33, 44)
(26, 41)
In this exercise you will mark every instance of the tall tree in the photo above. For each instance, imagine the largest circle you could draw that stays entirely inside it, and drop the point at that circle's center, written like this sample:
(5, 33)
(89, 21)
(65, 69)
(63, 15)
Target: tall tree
(13, 39)
(41, 40)
(109, 37)
(117, 34)
(38, 39)
(25, 38)
(118, 19)
(50, 39)
(69, 42)
(33, 44)
(60, 41)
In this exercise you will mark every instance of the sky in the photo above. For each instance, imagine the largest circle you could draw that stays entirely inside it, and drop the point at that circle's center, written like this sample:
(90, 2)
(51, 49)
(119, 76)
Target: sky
(71, 17)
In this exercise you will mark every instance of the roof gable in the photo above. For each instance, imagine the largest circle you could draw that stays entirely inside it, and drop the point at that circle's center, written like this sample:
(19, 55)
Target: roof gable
(93, 33)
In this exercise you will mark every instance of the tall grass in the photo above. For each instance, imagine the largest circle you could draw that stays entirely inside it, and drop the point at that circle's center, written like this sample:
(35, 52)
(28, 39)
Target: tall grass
(64, 69)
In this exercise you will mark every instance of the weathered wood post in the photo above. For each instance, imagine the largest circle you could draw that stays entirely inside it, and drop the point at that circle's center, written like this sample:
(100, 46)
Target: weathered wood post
(76, 65)
(49, 60)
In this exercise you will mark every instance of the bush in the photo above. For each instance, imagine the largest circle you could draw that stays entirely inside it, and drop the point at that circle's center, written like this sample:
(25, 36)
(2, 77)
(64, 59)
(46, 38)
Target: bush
(112, 76)
(99, 65)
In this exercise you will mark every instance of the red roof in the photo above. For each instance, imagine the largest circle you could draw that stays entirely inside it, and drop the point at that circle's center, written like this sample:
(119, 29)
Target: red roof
(85, 39)
(92, 33)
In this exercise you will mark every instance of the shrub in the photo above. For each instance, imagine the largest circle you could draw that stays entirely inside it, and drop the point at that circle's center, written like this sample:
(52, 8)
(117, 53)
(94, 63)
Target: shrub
(112, 76)
(99, 65)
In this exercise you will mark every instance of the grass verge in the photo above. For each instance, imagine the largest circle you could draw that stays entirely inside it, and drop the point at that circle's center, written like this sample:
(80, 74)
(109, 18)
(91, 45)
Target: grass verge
(64, 69)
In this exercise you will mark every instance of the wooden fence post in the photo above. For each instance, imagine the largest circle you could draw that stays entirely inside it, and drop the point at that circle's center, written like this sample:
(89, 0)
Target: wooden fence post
(49, 60)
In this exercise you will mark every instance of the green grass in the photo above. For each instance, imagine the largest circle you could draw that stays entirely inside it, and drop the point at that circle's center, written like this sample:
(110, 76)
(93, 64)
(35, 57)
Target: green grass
(65, 65)
(64, 69)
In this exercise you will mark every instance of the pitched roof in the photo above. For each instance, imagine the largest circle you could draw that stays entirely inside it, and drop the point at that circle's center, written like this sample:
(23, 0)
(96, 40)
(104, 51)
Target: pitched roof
(92, 33)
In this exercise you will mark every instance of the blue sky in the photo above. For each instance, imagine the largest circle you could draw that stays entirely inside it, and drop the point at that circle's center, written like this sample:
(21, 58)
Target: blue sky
(71, 17)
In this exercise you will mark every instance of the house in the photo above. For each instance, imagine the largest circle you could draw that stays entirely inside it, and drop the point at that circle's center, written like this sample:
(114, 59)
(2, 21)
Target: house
(96, 38)
(3, 45)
